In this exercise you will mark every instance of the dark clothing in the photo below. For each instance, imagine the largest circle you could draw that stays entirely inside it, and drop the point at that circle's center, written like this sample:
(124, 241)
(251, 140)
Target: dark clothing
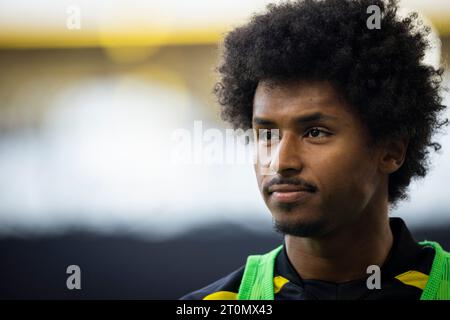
(403, 276)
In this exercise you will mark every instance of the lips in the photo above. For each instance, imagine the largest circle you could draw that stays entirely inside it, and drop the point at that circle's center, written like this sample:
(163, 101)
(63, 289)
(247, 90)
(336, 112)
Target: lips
(288, 193)
(288, 188)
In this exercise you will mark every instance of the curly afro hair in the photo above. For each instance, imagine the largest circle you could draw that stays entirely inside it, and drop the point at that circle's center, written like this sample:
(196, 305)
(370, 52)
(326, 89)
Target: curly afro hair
(379, 71)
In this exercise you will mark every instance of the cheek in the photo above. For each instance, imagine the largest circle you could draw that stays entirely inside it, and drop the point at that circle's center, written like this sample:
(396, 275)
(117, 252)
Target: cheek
(259, 176)
(344, 175)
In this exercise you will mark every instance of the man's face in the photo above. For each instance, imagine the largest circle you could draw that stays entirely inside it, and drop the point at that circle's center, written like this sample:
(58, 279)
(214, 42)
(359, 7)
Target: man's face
(322, 174)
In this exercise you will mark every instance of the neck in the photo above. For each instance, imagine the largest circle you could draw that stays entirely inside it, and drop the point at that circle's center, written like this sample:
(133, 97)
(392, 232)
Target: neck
(344, 254)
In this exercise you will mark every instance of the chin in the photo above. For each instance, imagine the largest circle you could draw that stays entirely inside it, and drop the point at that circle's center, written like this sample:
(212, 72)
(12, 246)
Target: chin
(295, 225)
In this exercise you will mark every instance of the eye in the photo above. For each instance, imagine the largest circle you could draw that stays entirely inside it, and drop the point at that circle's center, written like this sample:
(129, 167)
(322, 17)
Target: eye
(266, 135)
(317, 133)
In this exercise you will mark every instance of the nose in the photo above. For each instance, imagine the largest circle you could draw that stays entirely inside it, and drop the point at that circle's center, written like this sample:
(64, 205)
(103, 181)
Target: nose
(287, 159)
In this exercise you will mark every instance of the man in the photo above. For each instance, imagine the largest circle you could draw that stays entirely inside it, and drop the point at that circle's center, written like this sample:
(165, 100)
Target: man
(350, 112)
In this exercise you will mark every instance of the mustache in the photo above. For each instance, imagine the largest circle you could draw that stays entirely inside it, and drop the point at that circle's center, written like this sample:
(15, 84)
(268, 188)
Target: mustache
(294, 181)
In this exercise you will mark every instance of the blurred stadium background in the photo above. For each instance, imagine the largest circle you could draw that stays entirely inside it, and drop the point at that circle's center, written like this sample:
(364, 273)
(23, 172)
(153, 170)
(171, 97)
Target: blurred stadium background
(86, 119)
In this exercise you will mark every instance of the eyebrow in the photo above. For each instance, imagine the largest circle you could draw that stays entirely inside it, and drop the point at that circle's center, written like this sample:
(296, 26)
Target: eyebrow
(302, 120)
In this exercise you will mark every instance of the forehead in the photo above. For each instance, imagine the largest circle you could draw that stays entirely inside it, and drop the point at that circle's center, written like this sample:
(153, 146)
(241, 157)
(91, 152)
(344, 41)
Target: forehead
(297, 97)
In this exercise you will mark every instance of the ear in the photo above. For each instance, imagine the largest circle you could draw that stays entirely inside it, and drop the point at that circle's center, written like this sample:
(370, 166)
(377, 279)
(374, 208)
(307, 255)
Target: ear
(393, 155)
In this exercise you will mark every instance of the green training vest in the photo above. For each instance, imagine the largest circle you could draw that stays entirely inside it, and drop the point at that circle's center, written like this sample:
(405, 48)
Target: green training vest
(257, 281)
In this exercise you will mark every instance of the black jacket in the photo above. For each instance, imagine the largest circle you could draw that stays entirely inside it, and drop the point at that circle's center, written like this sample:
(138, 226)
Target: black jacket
(403, 276)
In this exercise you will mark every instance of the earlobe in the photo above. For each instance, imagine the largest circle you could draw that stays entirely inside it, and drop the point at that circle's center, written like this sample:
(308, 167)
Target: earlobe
(393, 157)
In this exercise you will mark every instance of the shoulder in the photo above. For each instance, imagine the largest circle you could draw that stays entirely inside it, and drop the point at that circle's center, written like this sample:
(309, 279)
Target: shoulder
(225, 288)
